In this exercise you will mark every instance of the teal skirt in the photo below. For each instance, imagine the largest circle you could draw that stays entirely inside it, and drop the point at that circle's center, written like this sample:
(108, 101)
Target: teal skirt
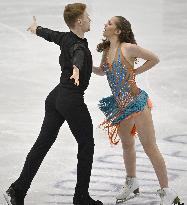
(115, 114)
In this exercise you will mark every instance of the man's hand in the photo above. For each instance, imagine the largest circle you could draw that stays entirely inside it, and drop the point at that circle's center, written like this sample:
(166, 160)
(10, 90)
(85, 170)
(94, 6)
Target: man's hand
(75, 75)
(33, 26)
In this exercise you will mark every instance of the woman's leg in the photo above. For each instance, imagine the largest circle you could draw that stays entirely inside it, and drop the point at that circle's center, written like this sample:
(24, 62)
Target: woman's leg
(128, 145)
(146, 132)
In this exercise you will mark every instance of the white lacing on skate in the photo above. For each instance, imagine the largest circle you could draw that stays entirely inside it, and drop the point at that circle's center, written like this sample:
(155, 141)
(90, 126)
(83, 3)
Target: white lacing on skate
(162, 194)
(128, 185)
(128, 181)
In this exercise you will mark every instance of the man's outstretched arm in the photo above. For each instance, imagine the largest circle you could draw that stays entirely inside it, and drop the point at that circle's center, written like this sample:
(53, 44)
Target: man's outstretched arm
(47, 34)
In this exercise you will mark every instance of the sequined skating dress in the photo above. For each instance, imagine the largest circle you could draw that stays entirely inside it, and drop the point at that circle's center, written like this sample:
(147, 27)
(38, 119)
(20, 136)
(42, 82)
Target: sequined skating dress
(126, 101)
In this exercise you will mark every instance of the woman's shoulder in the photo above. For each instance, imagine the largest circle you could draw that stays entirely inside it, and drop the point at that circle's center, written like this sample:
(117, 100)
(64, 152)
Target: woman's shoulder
(129, 49)
(128, 46)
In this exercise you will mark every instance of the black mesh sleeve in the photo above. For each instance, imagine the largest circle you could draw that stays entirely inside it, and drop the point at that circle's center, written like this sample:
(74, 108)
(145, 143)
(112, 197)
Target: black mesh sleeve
(78, 56)
(50, 35)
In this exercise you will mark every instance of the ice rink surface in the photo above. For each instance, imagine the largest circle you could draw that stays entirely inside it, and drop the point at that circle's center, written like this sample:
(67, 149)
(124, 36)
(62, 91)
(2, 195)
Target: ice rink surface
(29, 70)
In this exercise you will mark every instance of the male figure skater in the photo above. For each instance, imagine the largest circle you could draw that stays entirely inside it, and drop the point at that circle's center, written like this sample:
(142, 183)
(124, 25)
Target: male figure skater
(64, 102)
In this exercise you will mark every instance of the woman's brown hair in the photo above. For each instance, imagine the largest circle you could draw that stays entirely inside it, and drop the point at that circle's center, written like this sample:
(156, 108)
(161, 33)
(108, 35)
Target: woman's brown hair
(126, 34)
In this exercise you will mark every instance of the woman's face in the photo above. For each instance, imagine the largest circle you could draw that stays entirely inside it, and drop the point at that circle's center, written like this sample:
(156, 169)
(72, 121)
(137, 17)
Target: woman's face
(110, 28)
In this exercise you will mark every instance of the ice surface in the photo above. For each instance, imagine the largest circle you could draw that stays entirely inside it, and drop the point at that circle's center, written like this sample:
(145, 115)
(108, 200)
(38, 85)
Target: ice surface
(29, 70)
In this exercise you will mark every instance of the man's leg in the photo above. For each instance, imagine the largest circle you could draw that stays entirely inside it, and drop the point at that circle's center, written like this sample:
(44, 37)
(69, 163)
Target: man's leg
(81, 126)
(48, 134)
(80, 123)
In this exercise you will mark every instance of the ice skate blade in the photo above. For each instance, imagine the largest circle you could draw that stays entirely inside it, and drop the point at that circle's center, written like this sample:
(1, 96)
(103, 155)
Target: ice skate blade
(177, 201)
(7, 199)
(118, 201)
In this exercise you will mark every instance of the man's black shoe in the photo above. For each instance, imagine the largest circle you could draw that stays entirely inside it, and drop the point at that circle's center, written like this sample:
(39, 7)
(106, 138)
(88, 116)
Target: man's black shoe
(12, 197)
(85, 200)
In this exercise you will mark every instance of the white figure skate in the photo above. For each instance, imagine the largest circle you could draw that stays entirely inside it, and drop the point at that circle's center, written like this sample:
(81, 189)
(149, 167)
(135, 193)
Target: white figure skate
(168, 197)
(129, 191)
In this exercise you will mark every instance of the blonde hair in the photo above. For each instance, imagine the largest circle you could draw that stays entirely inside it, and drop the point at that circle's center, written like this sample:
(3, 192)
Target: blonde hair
(72, 12)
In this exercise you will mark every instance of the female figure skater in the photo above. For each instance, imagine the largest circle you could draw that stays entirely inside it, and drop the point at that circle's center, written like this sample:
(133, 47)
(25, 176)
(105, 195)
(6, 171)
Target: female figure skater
(64, 103)
(128, 109)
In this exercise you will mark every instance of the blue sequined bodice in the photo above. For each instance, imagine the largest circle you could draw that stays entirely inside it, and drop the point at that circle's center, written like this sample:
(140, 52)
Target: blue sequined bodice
(121, 80)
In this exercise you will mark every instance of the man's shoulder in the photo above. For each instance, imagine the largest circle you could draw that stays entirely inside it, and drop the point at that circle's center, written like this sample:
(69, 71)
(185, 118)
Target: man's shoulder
(73, 43)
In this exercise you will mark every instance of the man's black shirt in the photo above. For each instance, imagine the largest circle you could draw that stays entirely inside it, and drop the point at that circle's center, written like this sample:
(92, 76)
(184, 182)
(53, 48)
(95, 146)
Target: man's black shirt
(74, 51)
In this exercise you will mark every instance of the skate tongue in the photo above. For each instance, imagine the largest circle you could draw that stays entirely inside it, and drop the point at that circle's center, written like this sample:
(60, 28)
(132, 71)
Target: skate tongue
(128, 180)
(161, 193)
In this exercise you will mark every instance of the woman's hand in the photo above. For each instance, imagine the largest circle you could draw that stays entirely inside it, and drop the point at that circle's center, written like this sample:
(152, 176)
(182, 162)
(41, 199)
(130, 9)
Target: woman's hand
(32, 28)
(98, 71)
(75, 75)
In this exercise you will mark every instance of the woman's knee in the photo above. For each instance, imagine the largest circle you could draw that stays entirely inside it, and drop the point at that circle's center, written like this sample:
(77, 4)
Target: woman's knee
(150, 148)
(128, 144)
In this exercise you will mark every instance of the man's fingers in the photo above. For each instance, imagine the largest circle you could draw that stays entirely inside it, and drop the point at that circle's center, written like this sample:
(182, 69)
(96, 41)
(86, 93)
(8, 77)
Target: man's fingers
(77, 82)
(32, 25)
(34, 18)
(75, 68)
(30, 29)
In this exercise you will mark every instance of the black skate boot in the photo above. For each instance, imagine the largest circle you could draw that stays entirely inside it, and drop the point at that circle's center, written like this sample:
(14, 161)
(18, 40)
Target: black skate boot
(85, 200)
(13, 197)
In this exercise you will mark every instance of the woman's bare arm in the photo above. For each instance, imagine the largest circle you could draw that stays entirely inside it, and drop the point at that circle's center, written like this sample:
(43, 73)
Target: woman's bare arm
(99, 70)
(134, 51)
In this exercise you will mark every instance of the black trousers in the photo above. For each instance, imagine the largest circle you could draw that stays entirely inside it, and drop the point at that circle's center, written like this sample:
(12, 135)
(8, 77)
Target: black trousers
(60, 105)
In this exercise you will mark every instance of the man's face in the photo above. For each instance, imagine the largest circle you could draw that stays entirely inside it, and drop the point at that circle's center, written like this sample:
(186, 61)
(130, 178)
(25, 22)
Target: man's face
(85, 22)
